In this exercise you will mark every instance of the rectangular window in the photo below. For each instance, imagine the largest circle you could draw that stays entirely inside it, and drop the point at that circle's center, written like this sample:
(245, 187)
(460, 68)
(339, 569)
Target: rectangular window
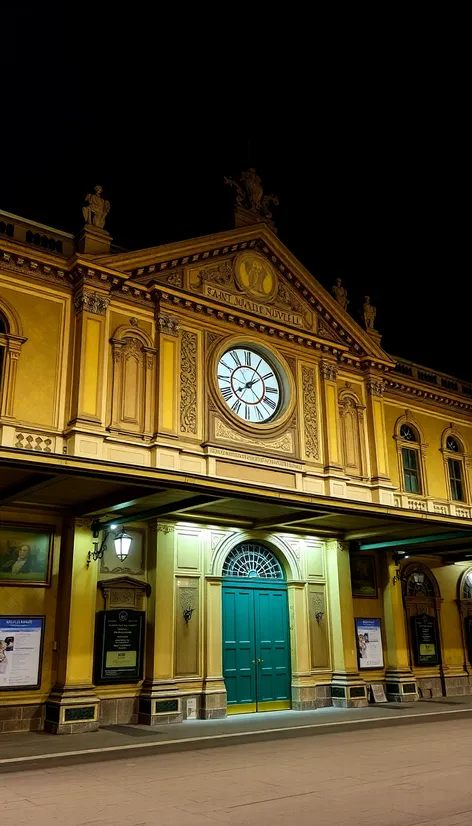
(410, 470)
(455, 478)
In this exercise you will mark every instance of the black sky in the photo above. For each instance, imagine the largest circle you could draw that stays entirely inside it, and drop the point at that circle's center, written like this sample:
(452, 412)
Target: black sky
(369, 157)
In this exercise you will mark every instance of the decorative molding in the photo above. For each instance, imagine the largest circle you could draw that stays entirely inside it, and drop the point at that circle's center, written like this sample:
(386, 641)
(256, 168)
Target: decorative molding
(312, 449)
(328, 370)
(188, 382)
(283, 443)
(221, 273)
(375, 387)
(82, 522)
(91, 302)
(317, 605)
(343, 546)
(164, 527)
(134, 321)
(174, 279)
(168, 324)
(33, 441)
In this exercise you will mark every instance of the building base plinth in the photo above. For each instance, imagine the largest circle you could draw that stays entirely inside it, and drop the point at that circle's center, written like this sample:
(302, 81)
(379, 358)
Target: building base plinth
(401, 687)
(157, 706)
(348, 691)
(72, 710)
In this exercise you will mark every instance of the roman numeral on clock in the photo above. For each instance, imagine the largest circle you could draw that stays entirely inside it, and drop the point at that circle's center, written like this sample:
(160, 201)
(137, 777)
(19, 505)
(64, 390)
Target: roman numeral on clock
(247, 412)
(247, 358)
(226, 392)
(271, 390)
(267, 376)
(236, 406)
(269, 402)
(235, 358)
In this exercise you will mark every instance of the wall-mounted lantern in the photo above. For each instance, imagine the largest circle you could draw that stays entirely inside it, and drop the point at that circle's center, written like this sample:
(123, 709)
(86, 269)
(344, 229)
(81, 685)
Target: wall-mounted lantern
(121, 540)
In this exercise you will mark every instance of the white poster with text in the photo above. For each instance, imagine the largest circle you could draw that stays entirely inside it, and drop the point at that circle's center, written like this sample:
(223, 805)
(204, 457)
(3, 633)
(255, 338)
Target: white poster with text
(21, 642)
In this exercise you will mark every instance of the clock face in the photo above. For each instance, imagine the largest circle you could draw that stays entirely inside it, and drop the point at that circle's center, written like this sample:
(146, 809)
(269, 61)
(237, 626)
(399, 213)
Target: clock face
(249, 385)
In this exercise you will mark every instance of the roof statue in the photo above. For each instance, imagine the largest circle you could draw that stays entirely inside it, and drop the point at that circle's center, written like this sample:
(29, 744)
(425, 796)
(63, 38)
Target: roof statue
(250, 194)
(96, 208)
(340, 294)
(369, 313)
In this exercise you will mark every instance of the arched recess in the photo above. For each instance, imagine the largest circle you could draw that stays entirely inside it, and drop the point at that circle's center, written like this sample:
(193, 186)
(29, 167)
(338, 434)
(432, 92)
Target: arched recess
(411, 455)
(133, 381)
(11, 342)
(351, 414)
(422, 601)
(456, 465)
(464, 601)
(282, 551)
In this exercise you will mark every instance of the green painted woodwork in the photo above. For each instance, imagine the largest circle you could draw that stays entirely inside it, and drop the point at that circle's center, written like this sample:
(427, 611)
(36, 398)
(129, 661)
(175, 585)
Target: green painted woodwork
(415, 540)
(256, 649)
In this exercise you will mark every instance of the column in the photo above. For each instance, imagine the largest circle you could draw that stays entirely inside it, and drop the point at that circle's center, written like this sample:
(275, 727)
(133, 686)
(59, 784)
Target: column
(400, 681)
(73, 705)
(159, 701)
(214, 689)
(303, 686)
(169, 373)
(348, 689)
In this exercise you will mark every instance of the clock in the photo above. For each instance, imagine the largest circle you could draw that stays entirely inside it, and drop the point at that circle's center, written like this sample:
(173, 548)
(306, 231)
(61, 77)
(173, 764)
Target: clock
(249, 385)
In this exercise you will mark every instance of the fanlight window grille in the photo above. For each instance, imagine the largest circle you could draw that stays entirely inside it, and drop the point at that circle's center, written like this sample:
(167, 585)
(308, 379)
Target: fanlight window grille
(251, 560)
(468, 586)
(418, 583)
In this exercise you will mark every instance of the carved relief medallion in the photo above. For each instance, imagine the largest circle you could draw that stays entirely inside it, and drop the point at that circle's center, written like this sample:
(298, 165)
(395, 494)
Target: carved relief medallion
(256, 276)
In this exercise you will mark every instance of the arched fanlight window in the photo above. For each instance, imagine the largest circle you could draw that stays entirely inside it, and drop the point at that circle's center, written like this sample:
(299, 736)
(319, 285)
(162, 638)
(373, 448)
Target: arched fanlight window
(467, 585)
(410, 455)
(249, 559)
(419, 584)
(454, 454)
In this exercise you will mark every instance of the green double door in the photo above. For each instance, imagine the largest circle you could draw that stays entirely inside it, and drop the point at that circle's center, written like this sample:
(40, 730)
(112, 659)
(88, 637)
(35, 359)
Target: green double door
(256, 648)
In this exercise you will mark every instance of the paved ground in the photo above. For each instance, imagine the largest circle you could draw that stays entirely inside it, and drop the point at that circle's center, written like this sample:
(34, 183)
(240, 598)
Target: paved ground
(415, 775)
(31, 750)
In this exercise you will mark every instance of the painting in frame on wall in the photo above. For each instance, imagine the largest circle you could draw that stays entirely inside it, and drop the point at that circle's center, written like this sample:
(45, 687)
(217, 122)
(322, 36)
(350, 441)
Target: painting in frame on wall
(363, 576)
(26, 554)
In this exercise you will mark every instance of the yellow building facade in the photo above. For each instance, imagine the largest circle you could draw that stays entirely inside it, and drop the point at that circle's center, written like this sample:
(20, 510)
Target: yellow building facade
(298, 501)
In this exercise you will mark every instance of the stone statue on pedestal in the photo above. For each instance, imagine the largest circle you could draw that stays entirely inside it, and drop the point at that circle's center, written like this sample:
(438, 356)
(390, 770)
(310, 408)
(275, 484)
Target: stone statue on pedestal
(250, 194)
(340, 294)
(369, 313)
(96, 208)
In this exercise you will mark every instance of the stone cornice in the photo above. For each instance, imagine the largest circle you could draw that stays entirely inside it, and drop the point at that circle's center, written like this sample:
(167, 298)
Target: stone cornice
(242, 320)
(425, 393)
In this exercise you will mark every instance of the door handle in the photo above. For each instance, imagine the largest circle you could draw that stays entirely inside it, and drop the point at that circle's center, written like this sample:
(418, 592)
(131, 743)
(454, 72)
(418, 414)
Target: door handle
(254, 661)
(260, 661)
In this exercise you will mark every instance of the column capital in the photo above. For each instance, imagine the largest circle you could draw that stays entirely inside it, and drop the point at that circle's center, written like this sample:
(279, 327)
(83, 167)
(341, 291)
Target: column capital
(328, 370)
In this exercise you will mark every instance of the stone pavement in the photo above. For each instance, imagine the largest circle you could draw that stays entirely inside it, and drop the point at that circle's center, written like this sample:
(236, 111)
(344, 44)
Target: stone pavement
(415, 775)
(31, 750)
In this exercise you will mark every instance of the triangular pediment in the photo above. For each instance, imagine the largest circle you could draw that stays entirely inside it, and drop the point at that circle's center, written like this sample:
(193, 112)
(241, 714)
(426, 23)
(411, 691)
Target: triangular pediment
(251, 270)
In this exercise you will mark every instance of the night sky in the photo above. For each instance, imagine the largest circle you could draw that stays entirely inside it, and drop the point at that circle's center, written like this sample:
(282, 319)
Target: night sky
(370, 167)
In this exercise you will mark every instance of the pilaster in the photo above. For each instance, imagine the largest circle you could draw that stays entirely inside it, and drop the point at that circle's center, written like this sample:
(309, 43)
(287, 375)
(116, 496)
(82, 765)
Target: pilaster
(214, 690)
(303, 687)
(376, 429)
(348, 689)
(331, 430)
(401, 686)
(73, 704)
(159, 701)
(89, 356)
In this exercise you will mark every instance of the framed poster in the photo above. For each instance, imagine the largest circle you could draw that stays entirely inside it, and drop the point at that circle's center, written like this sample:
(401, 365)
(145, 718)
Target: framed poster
(425, 640)
(21, 652)
(26, 554)
(363, 576)
(369, 643)
(119, 646)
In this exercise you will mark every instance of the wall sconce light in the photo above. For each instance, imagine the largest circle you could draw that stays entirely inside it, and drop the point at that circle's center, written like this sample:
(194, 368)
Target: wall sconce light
(122, 542)
(397, 558)
(318, 605)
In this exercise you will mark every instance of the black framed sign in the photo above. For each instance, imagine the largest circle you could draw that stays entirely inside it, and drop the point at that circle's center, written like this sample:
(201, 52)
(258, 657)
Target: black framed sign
(119, 646)
(21, 652)
(425, 640)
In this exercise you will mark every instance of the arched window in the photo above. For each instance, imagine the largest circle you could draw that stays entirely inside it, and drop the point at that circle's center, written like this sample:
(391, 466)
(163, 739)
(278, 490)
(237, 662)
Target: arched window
(454, 454)
(418, 583)
(11, 341)
(351, 414)
(250, 559)
(133, 381)
(465, 591)
(410, 459)
(3, 329)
